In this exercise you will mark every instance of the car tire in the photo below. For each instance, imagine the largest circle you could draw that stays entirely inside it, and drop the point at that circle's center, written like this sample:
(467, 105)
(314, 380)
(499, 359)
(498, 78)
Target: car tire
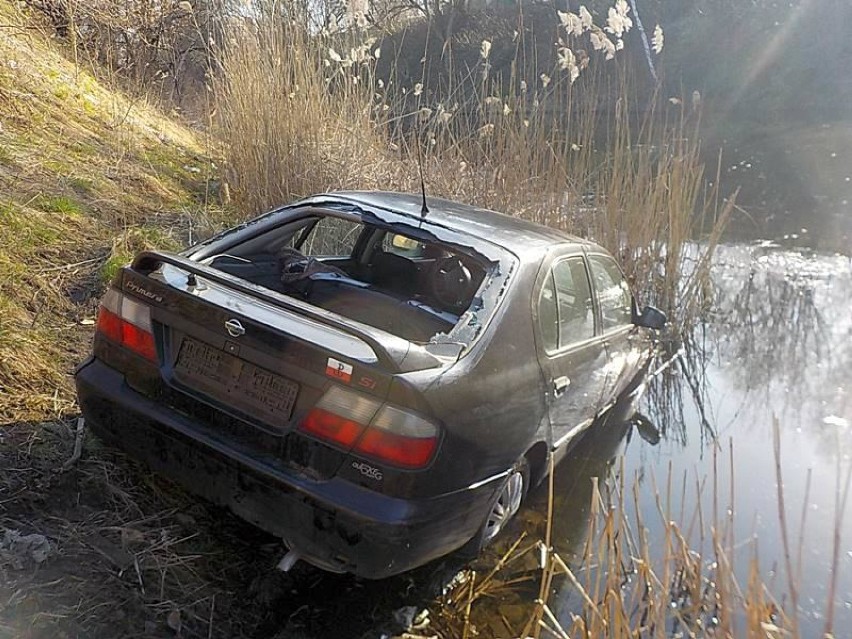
(503, 508)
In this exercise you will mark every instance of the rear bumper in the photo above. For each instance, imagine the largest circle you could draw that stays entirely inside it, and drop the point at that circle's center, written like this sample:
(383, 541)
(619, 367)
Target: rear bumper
(333, 524)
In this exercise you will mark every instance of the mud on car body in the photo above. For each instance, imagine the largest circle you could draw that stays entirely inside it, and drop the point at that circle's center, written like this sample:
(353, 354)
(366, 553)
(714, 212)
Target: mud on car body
(375, 386)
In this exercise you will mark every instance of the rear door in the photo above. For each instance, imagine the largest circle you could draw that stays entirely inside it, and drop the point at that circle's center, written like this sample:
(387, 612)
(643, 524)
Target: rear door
(621, 338)
(570, 348)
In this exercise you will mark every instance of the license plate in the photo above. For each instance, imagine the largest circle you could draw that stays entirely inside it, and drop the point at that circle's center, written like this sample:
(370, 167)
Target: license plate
(253, 390)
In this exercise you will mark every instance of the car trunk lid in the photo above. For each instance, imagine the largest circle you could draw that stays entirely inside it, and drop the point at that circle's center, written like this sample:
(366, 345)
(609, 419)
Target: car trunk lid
(250, 367)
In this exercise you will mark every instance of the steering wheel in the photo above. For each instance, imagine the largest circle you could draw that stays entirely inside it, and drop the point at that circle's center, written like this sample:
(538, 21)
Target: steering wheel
(451, 282)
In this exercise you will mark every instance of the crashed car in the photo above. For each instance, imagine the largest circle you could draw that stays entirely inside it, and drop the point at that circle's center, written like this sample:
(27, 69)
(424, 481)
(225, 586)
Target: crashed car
(375, 378)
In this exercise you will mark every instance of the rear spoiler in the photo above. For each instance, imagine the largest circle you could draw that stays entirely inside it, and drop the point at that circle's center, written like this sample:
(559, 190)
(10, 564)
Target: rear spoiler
(393, 353)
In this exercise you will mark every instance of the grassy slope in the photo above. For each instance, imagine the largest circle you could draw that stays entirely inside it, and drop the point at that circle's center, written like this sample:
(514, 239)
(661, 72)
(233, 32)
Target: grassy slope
(87, 176)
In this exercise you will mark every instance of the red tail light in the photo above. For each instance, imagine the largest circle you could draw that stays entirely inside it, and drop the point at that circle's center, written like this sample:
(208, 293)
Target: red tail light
(380, 431)
(138, 341)
(109, 324)
(332, 427)
(128, 323)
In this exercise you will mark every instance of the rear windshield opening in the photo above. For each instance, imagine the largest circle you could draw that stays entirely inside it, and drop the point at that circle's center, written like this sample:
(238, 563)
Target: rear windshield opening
(386, 279)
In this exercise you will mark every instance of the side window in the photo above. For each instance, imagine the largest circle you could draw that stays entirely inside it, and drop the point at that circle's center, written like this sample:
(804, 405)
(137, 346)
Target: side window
(331, 237)
(612, 292)
(576, 316)
(565, 314)
(548, 318)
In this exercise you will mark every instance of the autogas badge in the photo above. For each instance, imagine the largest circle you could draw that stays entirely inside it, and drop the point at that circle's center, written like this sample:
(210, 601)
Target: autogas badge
(235, 328)
(368, 471)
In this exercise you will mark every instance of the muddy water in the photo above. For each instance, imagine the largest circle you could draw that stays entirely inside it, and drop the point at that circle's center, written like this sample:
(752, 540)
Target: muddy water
(777, 350)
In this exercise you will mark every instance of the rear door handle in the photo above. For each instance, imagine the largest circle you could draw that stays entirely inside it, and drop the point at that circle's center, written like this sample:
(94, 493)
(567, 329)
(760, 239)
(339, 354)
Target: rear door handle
(560, 384)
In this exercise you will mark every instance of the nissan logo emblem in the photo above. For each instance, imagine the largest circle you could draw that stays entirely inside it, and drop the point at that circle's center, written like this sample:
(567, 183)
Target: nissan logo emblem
(235, 329)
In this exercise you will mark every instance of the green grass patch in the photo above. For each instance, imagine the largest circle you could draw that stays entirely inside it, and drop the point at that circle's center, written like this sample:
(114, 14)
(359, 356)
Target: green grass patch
(117, 259)
(61, 204)
(172, 162)
(26, 231)
(83, 150)
(179, 172)
(89, 107)
(61, 92)
(131, 242)
(6, 156)
(12, 271)
(59, 167)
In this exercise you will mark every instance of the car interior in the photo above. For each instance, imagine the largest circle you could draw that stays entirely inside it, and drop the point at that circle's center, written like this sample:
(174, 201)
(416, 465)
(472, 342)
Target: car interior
(369, 274)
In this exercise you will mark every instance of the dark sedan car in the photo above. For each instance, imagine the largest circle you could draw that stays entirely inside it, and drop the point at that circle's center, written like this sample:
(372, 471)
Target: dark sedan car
(375, 379)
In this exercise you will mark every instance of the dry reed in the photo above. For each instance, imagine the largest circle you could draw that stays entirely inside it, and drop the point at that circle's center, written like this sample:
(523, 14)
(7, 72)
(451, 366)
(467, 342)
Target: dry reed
(298, 117)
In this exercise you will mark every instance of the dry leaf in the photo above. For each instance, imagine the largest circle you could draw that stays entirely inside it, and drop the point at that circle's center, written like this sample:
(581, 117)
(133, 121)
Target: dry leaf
(173, 620)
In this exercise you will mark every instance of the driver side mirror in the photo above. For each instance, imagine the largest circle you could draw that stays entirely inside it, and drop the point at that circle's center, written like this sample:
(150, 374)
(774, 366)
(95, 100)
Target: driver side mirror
(651, 317)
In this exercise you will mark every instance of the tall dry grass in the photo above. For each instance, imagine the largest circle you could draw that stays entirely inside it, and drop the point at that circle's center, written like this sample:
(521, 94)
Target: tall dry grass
(301, 113)
(290, 129)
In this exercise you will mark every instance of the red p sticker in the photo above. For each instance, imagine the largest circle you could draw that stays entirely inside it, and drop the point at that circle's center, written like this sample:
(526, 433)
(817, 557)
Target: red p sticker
(338, 370)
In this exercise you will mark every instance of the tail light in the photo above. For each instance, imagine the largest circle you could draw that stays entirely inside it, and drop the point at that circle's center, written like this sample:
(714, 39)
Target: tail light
(380, 431)
(127, 322)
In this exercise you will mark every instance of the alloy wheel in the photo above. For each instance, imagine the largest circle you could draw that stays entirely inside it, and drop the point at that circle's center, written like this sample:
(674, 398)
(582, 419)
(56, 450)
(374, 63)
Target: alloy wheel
(506, 506)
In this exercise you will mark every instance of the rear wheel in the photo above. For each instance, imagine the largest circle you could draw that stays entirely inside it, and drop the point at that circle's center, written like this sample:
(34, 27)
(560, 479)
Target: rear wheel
(504, 507)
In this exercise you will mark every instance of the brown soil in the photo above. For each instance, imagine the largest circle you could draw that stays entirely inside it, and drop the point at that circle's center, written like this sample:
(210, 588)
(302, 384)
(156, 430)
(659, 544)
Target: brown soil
(132, 555)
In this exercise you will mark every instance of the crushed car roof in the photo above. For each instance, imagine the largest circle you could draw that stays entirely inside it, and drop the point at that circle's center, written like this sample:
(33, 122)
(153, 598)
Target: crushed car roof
(512, 233)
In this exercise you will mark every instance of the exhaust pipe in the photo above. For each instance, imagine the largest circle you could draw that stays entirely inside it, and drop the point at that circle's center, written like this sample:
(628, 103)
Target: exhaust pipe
(288, 561)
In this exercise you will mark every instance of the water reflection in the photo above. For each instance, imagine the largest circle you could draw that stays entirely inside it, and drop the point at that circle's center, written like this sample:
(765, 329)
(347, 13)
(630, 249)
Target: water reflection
(777, 346)
(770, 321)
(646, 429)
(678, 382)
(778, 336)
(596, 455)
(782, 333)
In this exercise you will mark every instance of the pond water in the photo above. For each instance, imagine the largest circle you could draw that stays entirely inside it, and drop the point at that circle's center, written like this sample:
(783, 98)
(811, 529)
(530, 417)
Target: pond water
(794, 182)
(777, 349)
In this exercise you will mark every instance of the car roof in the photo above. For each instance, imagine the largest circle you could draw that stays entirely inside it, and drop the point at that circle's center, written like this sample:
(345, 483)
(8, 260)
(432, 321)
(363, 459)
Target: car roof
(517, 235)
